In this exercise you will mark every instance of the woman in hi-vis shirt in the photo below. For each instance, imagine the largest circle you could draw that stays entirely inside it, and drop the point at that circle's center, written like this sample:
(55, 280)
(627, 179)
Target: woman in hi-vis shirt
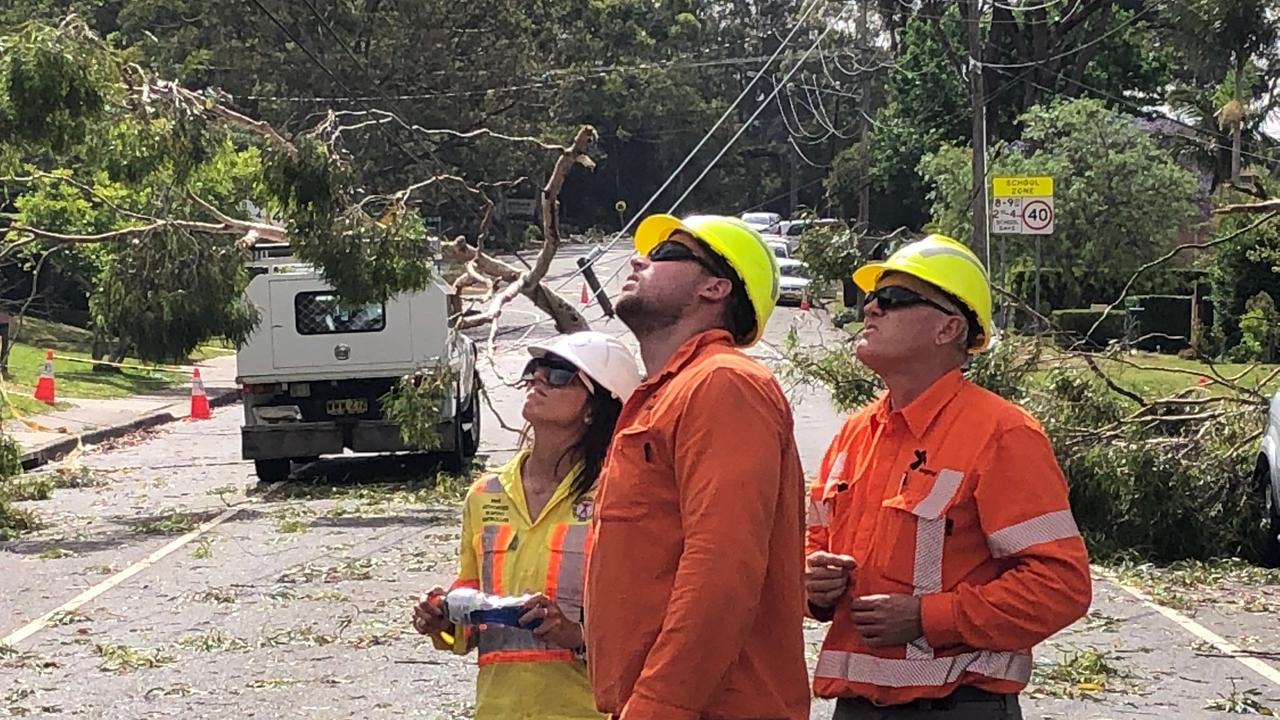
(526, 528)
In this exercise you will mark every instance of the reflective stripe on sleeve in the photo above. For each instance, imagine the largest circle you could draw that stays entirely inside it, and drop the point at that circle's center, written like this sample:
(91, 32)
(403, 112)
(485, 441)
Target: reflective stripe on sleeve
(1057, 525)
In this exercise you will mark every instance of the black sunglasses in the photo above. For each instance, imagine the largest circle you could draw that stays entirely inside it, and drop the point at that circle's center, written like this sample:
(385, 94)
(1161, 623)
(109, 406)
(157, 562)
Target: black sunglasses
(896, 296)
(560, 373)
(672, 251)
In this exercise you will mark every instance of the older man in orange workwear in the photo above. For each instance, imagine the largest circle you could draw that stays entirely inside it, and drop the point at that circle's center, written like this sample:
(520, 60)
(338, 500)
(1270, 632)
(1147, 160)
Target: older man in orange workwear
(940, 542)
(694, 602)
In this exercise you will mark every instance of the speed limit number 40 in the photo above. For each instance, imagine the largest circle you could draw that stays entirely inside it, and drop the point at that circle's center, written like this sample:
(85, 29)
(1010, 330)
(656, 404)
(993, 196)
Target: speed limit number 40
(1037, 216)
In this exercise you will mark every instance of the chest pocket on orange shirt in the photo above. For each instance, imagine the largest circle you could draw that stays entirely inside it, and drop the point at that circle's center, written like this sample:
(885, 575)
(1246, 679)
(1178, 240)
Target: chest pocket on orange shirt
(914, 531)
(630, 487)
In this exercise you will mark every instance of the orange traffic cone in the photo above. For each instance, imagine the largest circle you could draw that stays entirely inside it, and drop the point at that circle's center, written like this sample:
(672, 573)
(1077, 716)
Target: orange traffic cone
(584, 298)
(44, 386)
(199, 401)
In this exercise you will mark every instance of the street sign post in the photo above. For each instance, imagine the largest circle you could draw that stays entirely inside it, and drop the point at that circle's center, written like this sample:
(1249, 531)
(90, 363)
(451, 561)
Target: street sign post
(1023, 205)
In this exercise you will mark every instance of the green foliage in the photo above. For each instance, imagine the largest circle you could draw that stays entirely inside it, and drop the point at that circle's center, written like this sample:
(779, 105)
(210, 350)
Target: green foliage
(416, 403)
(1086, 148)
(831, 253)
(169, 293)
(845, 180)
(927, 99)
(365, 260)
(1259, 331)
(53, 85)
(13, 521)
(926, 105)
(850, 383)
(165, 293)
(1241, 268)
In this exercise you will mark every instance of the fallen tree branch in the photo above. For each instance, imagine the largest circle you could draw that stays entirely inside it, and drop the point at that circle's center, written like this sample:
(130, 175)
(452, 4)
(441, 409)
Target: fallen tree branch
(1106, 379)
(529, 282)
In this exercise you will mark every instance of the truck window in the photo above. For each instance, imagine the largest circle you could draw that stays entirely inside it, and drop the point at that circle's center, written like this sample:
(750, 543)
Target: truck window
(323, 313)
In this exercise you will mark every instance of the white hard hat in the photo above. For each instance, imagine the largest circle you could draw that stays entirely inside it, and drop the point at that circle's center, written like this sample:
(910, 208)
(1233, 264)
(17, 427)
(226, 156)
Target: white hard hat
(603, 358)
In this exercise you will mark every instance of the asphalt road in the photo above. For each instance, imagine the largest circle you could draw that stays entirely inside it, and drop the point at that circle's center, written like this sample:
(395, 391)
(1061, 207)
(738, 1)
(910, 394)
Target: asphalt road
(176, 586)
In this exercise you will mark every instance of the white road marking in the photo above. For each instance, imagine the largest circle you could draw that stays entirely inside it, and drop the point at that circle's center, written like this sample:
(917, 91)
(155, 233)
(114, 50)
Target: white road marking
(1223, 645)
(40, 623)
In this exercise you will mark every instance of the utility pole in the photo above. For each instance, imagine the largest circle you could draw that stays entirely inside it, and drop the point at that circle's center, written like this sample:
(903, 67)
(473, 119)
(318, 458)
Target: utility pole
(1237, 122)
(864, 104)
(978, 101)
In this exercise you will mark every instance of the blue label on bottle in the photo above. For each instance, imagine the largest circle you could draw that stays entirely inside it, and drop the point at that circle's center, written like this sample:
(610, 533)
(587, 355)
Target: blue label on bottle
(509, 616)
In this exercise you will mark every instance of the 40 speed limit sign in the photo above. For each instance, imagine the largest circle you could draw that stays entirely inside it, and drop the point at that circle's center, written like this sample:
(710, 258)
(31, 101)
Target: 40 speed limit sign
(1022, 205)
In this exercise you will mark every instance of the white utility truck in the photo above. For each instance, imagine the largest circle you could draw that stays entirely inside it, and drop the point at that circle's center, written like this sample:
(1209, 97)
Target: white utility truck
(313, 372)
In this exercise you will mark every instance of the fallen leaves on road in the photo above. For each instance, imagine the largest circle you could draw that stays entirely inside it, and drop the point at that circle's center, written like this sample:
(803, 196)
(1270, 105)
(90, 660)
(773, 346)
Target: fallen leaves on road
(123, 658)
(1078, 672)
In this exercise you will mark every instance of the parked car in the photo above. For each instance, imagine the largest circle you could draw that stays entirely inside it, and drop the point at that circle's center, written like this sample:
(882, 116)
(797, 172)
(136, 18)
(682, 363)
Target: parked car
(314, 371)
(791, 230)
(761, 220)
(1267, 480)
(780, 249)
(793, 285)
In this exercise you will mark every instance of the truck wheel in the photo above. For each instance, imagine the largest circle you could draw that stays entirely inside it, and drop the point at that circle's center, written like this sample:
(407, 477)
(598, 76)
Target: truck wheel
(455, 460)
(471, 421)
(270, 471)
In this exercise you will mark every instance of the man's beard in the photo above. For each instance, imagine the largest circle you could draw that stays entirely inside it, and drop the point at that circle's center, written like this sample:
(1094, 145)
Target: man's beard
(644, 316)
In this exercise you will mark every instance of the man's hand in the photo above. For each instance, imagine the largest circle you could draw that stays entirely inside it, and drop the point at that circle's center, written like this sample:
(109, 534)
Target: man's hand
(427, 616)
(887, 620)
(827, 577)
(556, 628)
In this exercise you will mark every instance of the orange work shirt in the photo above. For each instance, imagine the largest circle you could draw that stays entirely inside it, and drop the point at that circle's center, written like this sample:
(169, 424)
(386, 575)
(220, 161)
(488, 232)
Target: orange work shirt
(956, 498)
(695, 601)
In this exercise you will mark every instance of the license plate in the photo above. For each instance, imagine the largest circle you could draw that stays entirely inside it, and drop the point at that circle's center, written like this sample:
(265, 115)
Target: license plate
(347, 406)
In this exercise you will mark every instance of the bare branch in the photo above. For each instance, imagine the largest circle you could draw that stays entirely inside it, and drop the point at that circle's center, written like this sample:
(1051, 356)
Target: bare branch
(1267, 206)
(577, 154)
(387, 116)
(253, 231)
(1106, 379)
(116, 235)
(489, 401)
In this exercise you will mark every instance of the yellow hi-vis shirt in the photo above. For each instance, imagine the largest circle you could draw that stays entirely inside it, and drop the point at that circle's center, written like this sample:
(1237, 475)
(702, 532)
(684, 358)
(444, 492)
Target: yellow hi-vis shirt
(506, 552)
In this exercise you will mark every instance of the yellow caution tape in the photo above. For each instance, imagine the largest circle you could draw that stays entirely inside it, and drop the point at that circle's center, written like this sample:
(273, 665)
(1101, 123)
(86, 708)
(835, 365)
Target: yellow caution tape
(38, 427)
(128, 366)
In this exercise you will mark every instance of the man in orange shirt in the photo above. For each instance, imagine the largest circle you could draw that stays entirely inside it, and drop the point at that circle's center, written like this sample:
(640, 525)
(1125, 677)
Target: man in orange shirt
(940, 542)
(695, 602)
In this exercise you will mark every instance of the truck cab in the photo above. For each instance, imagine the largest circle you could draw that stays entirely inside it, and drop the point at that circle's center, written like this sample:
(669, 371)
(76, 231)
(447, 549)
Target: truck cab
(312, 374)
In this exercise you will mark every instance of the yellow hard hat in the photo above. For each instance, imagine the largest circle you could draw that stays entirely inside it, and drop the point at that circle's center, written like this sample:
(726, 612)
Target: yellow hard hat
(945, 264)
(732, 239)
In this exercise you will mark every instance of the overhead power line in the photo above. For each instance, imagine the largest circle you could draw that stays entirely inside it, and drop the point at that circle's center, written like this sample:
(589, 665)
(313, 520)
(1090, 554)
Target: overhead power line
(812, 5)
(542, 80)
(320, 64)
